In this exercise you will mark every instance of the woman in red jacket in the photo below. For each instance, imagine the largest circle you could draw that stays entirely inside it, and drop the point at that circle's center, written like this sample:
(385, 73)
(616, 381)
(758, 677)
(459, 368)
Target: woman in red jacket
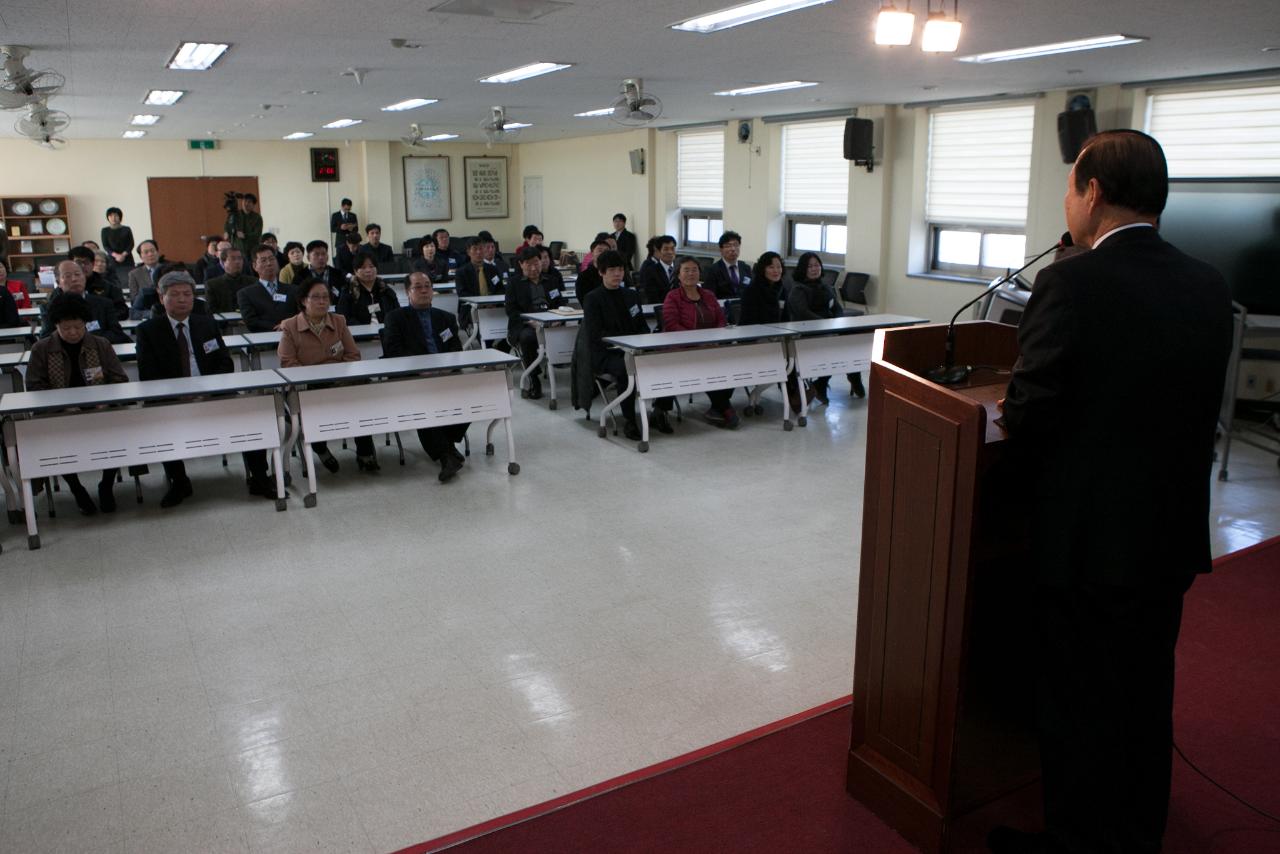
(16, 288)
(691, 306)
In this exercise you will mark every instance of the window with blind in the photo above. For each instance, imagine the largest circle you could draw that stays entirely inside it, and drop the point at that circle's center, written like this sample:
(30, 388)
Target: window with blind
(976, 188)
(1218, 133)
(815, 189)
(700, 185)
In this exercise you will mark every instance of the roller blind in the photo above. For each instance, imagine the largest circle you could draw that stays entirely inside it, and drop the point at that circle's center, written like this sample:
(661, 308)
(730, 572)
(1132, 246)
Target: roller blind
(700, 169)
(979, 165)
(815, 175)
(1222, 133)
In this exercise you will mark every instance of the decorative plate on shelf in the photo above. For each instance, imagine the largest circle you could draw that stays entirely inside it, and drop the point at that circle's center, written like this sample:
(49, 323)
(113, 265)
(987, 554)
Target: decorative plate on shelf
(21, 208)
(56, 226)
(48, 207)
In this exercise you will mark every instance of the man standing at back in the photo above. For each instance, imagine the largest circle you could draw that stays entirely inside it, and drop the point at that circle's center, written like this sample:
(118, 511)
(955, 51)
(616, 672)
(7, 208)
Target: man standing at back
(1111, 412)
(625, 241)
(342, 222)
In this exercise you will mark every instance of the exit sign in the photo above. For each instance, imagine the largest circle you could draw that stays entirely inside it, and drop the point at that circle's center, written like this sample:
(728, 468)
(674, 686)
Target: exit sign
(324, 164)
(198, 144)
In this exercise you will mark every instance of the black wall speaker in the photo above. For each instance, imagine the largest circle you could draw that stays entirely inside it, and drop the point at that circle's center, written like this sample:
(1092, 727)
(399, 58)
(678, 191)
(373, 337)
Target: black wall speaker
(1074, 127)
(857, 140)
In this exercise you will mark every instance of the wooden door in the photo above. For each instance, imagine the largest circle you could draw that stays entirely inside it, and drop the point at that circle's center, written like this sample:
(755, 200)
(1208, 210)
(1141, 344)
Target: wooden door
(184, 210)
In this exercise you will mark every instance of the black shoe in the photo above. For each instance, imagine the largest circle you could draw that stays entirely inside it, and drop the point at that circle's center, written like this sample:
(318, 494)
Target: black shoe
(83, 501)
(329, 461)
(369, 464)
(660, 421)
(820, 392)
(535, 389)
(178, 490)
(631, 430)
(731, 419)
(1006, 840)
(106, 497)
(855, 386)
(263, 486)
(450, 466)
(715, 417)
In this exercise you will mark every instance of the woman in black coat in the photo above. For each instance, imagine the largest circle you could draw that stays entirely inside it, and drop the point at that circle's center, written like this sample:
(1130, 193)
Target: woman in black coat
(761, 300)
(367, 298)
(810, 299)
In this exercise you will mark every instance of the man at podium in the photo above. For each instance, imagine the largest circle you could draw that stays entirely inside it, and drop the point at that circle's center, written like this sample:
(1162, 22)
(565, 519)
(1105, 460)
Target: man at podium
(1111, 411)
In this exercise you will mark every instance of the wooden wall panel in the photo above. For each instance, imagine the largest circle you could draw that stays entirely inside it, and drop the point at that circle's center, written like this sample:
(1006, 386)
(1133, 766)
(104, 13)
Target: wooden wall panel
(183, 210)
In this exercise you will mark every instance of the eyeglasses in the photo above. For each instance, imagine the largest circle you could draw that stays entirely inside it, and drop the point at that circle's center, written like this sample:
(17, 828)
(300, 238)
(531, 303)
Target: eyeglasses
(420, 288)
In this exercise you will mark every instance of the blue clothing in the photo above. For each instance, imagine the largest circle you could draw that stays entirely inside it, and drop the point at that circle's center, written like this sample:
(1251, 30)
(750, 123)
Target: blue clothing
(424, 318)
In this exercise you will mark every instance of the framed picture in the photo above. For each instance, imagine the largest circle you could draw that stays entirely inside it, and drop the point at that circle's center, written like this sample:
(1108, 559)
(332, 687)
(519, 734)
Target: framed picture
(486, 187)
(426, 188)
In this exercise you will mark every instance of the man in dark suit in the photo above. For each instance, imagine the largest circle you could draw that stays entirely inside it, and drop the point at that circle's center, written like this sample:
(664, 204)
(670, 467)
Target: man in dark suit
(318, 267)
(345, 255)
(265, 304)
(625, 240)
(417, 330)
(220, 291)
(144, 277)
(658, 273)
(729, 276)
(71, 285)
(343, 222)
(477, 277)
(490, 255)
(381, 252)
(454, 254)
(182, 344)
(99, 285)
(1118, 504)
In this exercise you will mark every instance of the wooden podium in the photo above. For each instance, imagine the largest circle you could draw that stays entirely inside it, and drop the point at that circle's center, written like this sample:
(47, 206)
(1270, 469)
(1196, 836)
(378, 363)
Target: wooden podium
(942, 724)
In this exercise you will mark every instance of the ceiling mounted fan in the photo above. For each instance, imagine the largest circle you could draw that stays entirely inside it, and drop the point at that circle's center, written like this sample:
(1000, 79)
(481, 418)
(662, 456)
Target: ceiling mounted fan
(40, 122)
(499, 128)
(635, 108)
(414, 139)
(21, 85)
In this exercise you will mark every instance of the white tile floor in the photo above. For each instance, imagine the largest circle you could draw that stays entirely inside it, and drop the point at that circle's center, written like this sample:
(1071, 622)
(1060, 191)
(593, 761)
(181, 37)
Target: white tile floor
(409, 658)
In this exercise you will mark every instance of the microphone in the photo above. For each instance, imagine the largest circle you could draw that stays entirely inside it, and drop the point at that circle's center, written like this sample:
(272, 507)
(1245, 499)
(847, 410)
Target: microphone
(949, 373)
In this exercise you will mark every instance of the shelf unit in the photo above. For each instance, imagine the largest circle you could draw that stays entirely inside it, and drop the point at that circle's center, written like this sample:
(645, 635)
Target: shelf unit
(31, 249)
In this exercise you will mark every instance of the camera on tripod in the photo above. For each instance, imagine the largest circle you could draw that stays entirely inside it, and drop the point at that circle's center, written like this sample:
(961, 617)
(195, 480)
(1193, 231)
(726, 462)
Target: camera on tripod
(229, 201)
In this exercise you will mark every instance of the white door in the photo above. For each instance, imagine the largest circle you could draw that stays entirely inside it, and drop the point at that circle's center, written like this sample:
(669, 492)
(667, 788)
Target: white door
(532, 201)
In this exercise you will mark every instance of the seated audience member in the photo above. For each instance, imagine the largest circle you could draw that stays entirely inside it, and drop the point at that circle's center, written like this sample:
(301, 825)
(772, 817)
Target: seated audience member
(528, 235)
(265, 305)
(590, 278)
(613, 310)
(810, 299)
(381, 252)
(295, 271)
(527, 294)
(430, 261)
(658, 274)
(476, 278)
(624, 241)
(347, 252)
(367, 298)
(220, 291)
(601, 239)
(690, 306)
(147, 303)
(317, 336)
(269, 239)
(318, 268)
(490, 255)
(417, 330)
(14, 297)
(551, 276)
(141, 278)
(71, 285)
(729, 276)
(453, 254)
(180, 343)
(69, 358)
(102, 265)
(209, 266)
(761, 298)
(93, 245)
(97, 284)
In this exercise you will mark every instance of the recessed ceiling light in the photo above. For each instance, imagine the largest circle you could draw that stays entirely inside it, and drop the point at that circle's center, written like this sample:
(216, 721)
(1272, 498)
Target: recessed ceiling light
(411, 104)
(196, 56)
(144, 120)
(134, 134)
(1271, 49)
(516, 125)
(1114, 40)
(766, 87)
(299, 134)
(343, 123)
(591, 114)
(163, 97)
(308, 92)
(744, 14)
(440, 137)
(524, 72)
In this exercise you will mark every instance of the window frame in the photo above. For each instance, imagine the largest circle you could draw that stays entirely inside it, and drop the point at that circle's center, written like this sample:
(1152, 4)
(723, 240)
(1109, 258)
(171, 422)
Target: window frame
(708, 214)
(828, 259)
(978, 271)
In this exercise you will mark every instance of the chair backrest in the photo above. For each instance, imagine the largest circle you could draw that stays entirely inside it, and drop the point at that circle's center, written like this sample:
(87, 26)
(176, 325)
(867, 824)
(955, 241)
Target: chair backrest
(829, 277)
(411, 246)
(854, 288)
(556, 247)
(704, 268)
(27, 278)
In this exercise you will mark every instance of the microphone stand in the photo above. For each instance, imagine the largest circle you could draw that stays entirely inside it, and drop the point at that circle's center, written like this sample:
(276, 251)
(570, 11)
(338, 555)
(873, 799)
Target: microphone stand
(949, 373)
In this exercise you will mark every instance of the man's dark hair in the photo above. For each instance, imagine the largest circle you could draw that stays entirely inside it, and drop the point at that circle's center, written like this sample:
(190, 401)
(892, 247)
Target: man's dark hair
(317, 244)
(438, 232)
(69, 309)
(599, 241)
(226, 253)
(727, 236)
(259, 249)
(611, 258)
(529, 231)
(144, 243)
(1129, 167)
(78, 252)
(486, 236)
(250, 197)
(270, 235)
(358, 261)
(373, 226)
(662, 240)
(528, 253)
(344, 202)
(474, 243)
(352, 238)
(116, 211)
(622, 217)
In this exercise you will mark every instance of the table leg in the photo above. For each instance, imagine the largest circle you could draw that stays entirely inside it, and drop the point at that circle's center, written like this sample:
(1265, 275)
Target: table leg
(488, 438)
(786, 398)
(29, 504)
(513, 467)
(8, 476)
(532, 370)
(641, 406)
(616, 403)
(309, 500)
(277, 460)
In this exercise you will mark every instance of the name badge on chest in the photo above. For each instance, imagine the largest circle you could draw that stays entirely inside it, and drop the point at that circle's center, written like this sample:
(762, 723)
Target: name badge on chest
(279, 298)
(92, 326)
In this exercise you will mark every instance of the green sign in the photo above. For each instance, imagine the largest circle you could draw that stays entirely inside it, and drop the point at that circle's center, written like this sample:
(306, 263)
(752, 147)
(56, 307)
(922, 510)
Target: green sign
(197, 144)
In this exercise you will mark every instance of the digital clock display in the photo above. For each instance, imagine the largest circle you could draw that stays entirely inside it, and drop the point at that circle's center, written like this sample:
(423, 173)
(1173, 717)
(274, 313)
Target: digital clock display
(324, 164)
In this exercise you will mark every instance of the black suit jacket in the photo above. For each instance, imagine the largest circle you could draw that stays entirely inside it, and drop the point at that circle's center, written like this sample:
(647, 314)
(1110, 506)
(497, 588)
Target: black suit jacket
(468, 280)
(605, 314)
(158, 357)
(760, 303)
(522, 300)
(437, 269)
(1112, 410)
(627, 245)
(104, 323)
(220, 291)
(654, 282)
(382, 253)
(718, 279)
(403, 333)
(337, 218)
(8, 309)
(260, 312)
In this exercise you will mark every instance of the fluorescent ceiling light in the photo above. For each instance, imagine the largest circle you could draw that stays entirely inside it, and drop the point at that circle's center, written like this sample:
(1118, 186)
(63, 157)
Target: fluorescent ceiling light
(1114, 40)
(894, 27)
(144, 120)
(299, 134)
(591, 114)
(746, 13)
(196, 56)
(134, 134)
(516, 125)
(343, 123)
(440, 137)
(524, 72)
(411, 104)
(163, 97)
(766, 87)
(941, 34)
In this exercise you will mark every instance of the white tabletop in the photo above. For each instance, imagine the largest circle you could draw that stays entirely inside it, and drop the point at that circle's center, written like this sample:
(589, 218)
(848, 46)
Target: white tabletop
(17, 333)
(12, 360)
(29, 313)
(697, 337)
(399, 366)
(493, 299)
(65, 398)
(229, 316)
(548, 317)
(268, 340)
(839, 325)
(1262, 324)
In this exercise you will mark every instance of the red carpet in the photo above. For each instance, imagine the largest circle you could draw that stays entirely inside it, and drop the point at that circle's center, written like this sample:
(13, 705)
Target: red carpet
(781, 788)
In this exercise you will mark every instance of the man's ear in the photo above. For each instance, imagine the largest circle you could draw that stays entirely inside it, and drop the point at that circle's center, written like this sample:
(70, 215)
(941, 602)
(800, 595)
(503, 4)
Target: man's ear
(1093, 195)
